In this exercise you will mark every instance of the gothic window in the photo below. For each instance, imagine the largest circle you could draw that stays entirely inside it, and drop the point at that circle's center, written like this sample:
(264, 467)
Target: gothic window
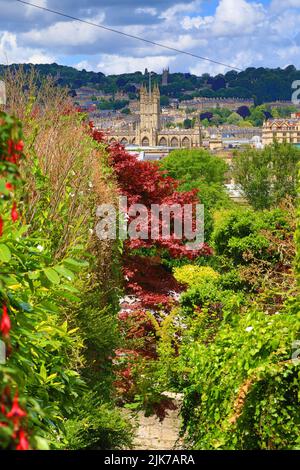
(185, 142)
(112, 140)
(124, 141)
(163, 142)
(174, 142)
(145, 142)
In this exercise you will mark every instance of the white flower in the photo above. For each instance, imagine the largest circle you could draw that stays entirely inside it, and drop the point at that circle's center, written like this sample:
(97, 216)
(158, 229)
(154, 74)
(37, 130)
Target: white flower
(249, 328)
(40, 248)
(90, 184)
(174, 295)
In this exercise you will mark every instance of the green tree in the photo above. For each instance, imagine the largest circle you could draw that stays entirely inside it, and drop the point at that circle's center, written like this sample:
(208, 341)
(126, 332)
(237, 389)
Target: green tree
(164, 100)
(198, 169)
(267, 176)
(234, 119)
(257, 116)
(187, 123)
(196, 164)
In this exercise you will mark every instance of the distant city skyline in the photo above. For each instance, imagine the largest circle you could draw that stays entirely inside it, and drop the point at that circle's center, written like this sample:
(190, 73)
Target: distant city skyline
(244, 33)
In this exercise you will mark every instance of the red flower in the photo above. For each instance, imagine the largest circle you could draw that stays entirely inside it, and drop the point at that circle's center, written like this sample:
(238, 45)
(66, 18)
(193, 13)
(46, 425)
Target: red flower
(9, 186)
(23, 441)
(16, 412)
(14, 213)
(5, 324)
(1, 226)
(19, 146)
(10, 145)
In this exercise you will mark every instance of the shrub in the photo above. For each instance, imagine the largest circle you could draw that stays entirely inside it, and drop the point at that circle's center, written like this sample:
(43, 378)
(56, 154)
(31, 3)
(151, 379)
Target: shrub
(38, 371)
(241, 235)
(242, 384)
(97, 426)
(72, 285)
(195, 275)
(244, 388)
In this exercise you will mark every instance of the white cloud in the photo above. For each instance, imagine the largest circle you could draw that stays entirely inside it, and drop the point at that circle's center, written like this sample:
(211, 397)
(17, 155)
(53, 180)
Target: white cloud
(147, 11)
(196, 22)
(243, 58)
(12, 52)
(65, 33)
(288, 54)
(84, 64)
(235, 17)
(180, 8)
(115, 64)
(40, 58)
(239, 32)
(232, 18)
(277, 5)
(286, 24)
(186, 42)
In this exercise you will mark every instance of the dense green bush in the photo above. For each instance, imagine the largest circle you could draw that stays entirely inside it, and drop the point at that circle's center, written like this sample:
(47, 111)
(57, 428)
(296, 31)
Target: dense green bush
(244, 387)
(97, 426)
(242, 234)
(241, 385)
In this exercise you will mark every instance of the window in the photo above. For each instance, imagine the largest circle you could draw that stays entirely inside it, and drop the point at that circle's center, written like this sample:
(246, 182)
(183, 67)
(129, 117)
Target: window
(163, 142)
(185, 142)
(174, 142)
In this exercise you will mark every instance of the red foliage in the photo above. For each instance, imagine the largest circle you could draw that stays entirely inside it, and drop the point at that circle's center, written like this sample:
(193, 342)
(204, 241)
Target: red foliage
(148, 279)
(143, 182)
(150, 284)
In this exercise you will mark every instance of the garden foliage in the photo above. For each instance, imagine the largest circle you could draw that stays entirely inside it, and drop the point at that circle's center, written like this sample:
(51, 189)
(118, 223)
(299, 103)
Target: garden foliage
(58, 292)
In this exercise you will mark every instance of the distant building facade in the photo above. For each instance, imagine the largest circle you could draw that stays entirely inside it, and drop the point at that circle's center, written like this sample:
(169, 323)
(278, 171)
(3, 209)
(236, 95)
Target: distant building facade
(282, 130)
(147, 132)
(204, 104)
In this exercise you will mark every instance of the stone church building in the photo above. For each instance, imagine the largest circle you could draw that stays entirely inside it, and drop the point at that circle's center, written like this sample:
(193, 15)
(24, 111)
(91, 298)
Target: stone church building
(148, 132)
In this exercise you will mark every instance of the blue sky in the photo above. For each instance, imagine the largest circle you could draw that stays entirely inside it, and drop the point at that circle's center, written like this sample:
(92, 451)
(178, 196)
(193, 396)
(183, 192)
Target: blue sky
(243, 33)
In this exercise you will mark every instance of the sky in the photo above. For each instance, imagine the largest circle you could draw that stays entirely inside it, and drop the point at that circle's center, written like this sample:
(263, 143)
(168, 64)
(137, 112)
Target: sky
(241, 33)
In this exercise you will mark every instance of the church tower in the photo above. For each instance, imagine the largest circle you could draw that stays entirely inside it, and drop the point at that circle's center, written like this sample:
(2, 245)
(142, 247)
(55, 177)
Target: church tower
(165, 77)
(149, 116)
